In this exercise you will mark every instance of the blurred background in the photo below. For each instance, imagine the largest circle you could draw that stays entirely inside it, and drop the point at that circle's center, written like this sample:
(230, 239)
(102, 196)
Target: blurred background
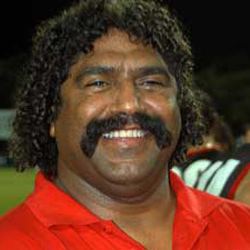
(219, 34)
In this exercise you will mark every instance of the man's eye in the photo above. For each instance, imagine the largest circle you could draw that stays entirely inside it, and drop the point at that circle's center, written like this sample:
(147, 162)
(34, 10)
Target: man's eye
(154, 82)
(151, 84)
(97, 84)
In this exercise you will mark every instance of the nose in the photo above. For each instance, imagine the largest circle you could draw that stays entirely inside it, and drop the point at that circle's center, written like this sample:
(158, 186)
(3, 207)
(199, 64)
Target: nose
(126, 99)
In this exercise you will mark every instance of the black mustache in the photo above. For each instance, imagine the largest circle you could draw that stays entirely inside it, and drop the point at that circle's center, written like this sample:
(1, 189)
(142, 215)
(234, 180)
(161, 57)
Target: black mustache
(97, 128)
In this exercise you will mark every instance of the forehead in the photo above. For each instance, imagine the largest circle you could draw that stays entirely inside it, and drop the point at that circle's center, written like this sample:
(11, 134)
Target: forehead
(117, 40)
(115, 47)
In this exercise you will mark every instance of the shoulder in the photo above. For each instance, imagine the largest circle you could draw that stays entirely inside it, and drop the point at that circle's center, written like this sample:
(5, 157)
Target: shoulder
(15, 230)
(219, 204)
(202, 204)
(13, 217)
(224, 215)
(20, 229)
(236, 211)
(232, 218)
(241, 191)
(226, 223)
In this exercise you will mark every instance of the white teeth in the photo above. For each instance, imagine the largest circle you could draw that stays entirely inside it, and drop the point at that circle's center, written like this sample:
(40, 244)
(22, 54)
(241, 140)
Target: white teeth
(115, 134)
(122, 134)
(125, 134)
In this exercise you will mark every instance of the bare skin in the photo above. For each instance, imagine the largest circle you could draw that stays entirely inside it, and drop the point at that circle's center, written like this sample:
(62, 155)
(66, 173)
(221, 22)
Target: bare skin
(247, 136)
(243, 194)
(126, 180)
(149, 222)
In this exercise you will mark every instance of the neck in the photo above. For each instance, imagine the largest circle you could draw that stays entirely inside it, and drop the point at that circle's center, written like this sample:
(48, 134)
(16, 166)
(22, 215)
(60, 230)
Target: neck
(91, 197)
(137, 218)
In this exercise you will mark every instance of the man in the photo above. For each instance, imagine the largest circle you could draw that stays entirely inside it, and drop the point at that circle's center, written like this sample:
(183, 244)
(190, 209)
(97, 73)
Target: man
(242, 183)
(215, 166)
(109, 104)
(246, 134)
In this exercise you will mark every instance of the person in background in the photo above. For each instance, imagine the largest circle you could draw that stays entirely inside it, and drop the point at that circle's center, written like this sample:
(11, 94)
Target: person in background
(243, 148)
(108, 108)
(217, 166)
(246, 133)
(242, 181)
(218, 137)
(244, 139)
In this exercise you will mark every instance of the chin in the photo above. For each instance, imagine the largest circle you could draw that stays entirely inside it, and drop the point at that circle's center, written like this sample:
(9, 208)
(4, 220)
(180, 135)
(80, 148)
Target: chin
(131, 184)
(124, 173)
(128, 172)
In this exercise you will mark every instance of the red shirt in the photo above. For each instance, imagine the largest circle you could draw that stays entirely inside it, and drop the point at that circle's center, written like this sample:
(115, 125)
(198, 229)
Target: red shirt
(49, 219)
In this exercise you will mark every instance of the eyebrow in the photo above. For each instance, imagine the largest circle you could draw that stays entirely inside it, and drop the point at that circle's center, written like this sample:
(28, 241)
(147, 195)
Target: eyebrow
(139, 72)
(152, 70)
(94, 70)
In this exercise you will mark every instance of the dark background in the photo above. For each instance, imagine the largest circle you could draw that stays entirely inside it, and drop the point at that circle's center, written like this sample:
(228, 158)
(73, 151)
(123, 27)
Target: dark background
(218, 30)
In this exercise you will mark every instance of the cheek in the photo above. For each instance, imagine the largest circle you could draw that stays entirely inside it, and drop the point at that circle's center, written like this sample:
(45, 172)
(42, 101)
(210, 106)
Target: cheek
(92, 107)
(80, 109)
(166, 108)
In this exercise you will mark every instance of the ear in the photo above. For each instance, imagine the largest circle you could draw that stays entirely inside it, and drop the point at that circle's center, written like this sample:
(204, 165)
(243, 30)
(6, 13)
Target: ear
(52, 130)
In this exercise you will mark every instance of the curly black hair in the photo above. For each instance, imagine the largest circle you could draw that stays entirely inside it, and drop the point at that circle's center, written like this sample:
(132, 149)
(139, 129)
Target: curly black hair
(215, 125)
(56, 47)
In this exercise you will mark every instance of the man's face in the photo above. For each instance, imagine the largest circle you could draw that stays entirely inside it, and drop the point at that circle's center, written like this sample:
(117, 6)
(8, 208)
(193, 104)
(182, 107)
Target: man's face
(119, 122)
(247, 136)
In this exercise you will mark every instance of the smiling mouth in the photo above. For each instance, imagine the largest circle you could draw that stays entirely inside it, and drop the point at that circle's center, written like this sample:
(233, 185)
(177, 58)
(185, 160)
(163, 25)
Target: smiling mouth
(125, 134)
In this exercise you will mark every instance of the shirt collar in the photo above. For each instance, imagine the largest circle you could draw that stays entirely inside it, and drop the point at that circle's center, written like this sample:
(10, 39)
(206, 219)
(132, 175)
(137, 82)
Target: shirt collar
(194, 202)
(52, 206)
(191, 215)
